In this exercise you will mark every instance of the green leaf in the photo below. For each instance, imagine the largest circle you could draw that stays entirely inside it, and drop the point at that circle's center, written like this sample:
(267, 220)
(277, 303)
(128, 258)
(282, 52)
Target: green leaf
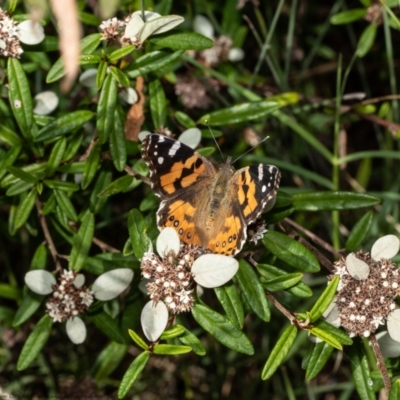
(283, 282)
(107, 325)
(137, 231)
(35, 342)
(348, 16)
(101, 74)
(120, 76)
(91, 165)
(81, 243)
(119, 185)
(366, 40)
(25, 208)
(173, 332)
(9, 137)
(229, 298)
(56, 156)
(21, 174)
(138, 340)
(65, 204)
(182, 41)
(191, 340)
(152, 62)
(222, 329)
(338, 334)
(279, 352)
(240, 113)
(319, 356)
(158, 103)
(63, 125)
(106, 108)
(252, 290)
(88, 45)
(171, 349)
(120, 53)
(39, 259)
(117, 142)
(96, 203)
(20, 98)
(73, 146)
(326, 337)
(88, 59)
(359, 232)
(325, 299)
(185, 120)
(29, 305)
(270, 272)
(290, 251)
(61, 185)
(8, 159)
(329, 201)
(132, 373)
(18, 188)
(395, 390)
(108, 360)
(360, 370)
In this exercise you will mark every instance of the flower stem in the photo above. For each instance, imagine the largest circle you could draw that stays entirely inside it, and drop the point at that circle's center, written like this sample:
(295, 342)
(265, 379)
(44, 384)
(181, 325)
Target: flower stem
(380, 362)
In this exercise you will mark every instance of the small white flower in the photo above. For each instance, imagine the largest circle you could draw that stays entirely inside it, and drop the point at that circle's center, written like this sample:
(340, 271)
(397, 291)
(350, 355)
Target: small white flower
(70, 297)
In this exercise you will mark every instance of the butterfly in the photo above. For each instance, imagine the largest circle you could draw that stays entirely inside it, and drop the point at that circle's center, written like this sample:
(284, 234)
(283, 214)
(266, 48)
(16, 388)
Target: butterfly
(209, 208)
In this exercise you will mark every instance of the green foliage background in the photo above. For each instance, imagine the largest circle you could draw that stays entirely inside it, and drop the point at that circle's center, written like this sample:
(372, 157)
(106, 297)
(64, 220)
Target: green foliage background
(317, 77)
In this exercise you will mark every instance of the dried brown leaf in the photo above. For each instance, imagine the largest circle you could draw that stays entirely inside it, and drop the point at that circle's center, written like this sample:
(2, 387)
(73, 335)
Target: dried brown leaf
(135, 117)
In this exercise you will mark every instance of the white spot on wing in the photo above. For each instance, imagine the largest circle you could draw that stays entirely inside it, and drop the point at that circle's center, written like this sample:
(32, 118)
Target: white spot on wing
(264, 188)
(155, 153)
(160, 160)
(174, 149)
(260, 172)
(161, 139)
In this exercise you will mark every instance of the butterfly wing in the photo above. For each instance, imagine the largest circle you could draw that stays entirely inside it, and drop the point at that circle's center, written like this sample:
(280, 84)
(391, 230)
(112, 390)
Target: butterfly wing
(174, 167)
(256, 185)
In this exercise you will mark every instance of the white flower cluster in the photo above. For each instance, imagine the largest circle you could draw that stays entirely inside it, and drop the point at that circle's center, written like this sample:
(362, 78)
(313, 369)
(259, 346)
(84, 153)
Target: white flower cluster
(12, 33)
(369, 284)
(134, 30)
(173, 276)
(69, 297)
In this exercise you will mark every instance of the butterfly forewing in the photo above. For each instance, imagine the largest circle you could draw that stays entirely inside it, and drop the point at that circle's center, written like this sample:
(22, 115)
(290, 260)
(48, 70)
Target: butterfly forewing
(174, 166)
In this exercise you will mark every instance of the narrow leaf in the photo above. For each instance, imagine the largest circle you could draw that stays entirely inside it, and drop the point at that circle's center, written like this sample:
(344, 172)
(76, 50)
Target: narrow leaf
(240, 113)
(35, 342)
(158, 103)
(63, 125)
(319, 356)
(132, 373)
(290, 251)
(137, 232)
(106, 108)
(252, 290)
(182, 41)
(330, 201)
(325, 299)
(279, 352)
(91, 165)
(25, 208)
(229, 298)
(81, 243)
(222, 329)
(107, 325)
(191, 340)
(170, 349)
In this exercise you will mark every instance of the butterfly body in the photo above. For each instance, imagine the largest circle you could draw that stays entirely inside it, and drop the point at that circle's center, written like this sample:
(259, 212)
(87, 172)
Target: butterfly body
(206, 207)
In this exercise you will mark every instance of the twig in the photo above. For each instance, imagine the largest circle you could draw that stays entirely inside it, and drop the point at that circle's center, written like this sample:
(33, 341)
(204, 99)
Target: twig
(314, 238)
(47, 236)
(380, 363)
(104, 246)
(85, 156)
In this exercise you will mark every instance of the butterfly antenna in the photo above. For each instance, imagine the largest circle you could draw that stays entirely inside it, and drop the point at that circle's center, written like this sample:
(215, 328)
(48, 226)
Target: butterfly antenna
(248, 151)
(215, 140)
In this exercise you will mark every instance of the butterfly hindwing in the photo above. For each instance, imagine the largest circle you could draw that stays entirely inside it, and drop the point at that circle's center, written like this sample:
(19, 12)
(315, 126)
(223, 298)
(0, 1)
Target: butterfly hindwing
(174, 167)
(256, 185)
